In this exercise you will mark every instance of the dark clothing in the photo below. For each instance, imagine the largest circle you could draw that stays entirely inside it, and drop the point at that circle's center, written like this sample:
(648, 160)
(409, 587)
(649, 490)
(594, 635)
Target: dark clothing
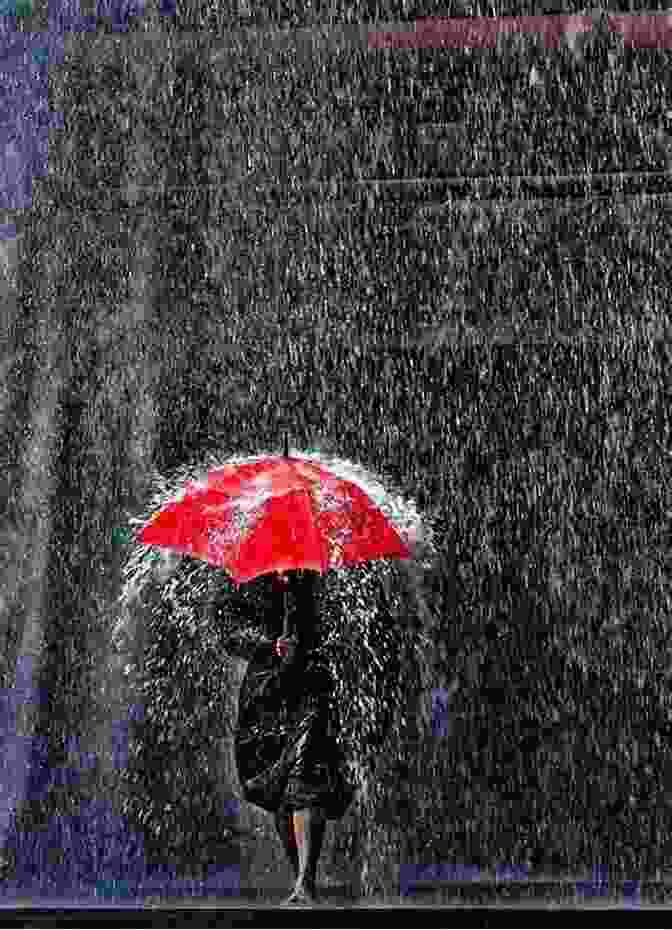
(286, 749)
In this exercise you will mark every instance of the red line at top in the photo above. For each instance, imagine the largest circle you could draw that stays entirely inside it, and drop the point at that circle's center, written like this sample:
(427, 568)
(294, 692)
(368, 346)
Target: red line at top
(650, 30)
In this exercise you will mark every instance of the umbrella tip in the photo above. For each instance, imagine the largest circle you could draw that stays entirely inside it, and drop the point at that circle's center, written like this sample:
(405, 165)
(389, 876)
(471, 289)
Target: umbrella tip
(286, 453)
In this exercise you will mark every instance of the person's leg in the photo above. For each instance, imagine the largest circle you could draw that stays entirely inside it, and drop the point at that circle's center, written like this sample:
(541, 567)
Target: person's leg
(309, 829)
(284, 824)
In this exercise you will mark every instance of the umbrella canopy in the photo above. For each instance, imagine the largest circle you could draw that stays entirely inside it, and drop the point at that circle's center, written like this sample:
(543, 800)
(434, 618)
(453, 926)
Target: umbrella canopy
(274, 514)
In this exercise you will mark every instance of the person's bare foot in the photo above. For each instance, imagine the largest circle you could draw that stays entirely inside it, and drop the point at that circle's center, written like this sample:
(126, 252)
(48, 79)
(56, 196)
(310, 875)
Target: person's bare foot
(301, 897)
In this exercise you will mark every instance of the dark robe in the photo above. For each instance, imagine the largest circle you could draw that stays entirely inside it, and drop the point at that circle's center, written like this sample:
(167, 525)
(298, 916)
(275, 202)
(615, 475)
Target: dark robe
(286, 749)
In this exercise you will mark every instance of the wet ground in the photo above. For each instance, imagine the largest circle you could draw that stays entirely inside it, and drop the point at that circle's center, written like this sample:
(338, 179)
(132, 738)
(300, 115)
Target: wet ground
(265, 881)
(271, 891)
(464, 902)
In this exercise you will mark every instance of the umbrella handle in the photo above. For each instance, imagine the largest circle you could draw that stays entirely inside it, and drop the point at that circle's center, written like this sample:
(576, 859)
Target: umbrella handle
(286, 632)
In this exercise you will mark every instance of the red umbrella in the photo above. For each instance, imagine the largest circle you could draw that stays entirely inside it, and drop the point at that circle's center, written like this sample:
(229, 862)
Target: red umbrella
(275, 514)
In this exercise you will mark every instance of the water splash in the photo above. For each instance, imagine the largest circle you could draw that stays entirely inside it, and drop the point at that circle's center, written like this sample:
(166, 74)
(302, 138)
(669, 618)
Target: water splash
(373, 614)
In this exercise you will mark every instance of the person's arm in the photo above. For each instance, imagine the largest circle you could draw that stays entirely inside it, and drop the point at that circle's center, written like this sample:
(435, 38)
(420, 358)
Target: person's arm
(248, 644)
(241, 636)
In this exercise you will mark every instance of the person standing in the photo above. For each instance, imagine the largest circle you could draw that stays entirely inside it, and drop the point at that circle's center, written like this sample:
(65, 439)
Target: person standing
(287, 755)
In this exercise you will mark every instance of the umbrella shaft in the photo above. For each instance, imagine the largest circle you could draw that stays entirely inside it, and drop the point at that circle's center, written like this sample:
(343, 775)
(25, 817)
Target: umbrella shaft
(286, 629)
